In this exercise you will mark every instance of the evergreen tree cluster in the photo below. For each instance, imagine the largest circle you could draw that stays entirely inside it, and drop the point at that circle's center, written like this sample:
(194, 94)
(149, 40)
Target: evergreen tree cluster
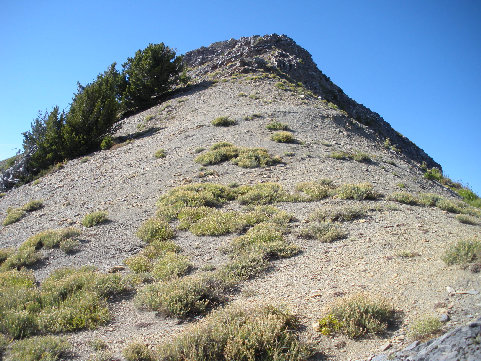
(56, 136)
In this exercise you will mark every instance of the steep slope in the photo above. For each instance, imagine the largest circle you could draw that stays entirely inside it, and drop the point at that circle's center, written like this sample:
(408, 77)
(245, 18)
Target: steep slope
(392, 250)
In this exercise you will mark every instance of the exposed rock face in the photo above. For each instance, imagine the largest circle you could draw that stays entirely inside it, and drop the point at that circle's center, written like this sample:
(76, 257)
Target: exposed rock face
(11, 176)
(462, 343)
(280, 54)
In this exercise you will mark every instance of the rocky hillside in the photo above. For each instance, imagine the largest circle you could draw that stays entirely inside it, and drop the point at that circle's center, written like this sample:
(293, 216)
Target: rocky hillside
(259, 183)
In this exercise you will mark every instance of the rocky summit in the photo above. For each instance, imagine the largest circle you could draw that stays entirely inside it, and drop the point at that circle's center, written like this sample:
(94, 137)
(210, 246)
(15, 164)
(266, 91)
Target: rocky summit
(257, 206)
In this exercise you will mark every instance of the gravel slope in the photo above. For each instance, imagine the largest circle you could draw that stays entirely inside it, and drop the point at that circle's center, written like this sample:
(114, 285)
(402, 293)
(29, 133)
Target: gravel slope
(128, 180)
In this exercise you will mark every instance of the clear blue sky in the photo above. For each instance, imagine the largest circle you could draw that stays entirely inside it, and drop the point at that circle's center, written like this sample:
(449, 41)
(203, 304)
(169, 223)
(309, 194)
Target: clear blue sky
(416, 63)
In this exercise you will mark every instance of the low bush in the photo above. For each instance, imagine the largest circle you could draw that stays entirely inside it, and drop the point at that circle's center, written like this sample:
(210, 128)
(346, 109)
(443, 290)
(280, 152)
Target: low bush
(107, 143)
(358, 192)
(462, 218)
(275, 125)
(138, 352)
(261, 193)
(94, 218)
(170, 266)
(324, 232)
(13, 216)
(223, 122)
(345, 214)
(261, 333)
(283, 137)
(155, 229)
(357, 316)
(316, 190)
(357, 156)
(160, 153)
(40, 348)
(425, 327)
(404, 197)
(463, 252)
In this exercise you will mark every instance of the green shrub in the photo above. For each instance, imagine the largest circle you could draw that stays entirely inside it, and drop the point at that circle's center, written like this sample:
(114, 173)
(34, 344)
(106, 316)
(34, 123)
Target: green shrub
(425, 327)
(338, 214)
(462, 218)
(223, 122)
(139, 263)
(275, 125)
(361, 157)
(13, 216)
(217, 223)
(2, 195)
(50, 238)
(340, 155)
(185, 297)
(160, 153)
(138, 352)
(69, 245)
(463, 252)
(429, 199)
(242, 157)
(262, 333)
(316, 190)
(357, 316)
(283, 137)
(41, 348)
(32, 206)
(404, 197)
(94, 218)
(107, 143)
(5, 253)
(262, 193)
(356, 191)
(155, 229)
(171, 265)
(434, 174)
(26, 256)
(254, 157)
(324, 232)
(263, 240)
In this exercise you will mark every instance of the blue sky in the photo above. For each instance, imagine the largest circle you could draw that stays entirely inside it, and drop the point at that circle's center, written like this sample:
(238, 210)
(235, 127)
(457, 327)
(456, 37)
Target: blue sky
(416, 63)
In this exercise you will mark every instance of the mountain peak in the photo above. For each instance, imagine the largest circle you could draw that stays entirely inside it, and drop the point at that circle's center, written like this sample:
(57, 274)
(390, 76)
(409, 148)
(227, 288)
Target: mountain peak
(281, 55)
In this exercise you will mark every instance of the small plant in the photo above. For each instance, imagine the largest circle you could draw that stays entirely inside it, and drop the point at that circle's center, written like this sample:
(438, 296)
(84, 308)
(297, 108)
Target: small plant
(357, 316)
(462, 218)
(275, 125)
(316, 190)
(404, 197)
(41, 348)
(463, 252)
(283, 137)
(425, 327)
(2, 195)
(401, 185)
(434, 174)
(242, 94)
(138, 352)
(160, 153)
(407, 254)
(32, 206)
(107, 143)
(235, 333)
(338, 214)
(262, 193)
(223, 122)
(324, 232)
(13, 215)
(170, 266)
(155, 229)
(94, 218)
(358, 192)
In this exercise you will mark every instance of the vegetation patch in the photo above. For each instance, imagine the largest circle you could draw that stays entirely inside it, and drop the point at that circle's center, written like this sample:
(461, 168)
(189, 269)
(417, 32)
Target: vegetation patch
(283, 137)
(69, 299)
(357, 316)
(462, 218)
(425, 327)
(40, 348)
(138, 352)
(316, 190)
(357, 192)
(276, 125)
(242, 157)
(155, 229)
(463, 252)
(345, 214)
(324, 232)
(262, 193)
(357, 156)
(94, 218)
(160, 153)
(16, 214)
(223, 122)
(261, 333)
